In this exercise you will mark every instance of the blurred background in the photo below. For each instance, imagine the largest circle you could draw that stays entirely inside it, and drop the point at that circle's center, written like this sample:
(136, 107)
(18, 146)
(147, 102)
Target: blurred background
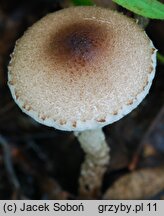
(38, 162)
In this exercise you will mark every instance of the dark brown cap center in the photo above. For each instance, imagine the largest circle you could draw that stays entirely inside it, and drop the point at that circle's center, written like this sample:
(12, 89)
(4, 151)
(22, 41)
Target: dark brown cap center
(80, 43)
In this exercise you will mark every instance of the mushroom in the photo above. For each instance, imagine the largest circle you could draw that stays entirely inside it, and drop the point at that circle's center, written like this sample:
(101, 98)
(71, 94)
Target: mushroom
(80, 69)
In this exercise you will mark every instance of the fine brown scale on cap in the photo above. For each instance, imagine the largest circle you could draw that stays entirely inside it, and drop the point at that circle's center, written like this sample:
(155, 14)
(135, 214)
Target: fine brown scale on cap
(81, 68)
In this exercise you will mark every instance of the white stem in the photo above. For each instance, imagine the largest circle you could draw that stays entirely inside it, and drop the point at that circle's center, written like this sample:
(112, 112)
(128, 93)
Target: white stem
(96, 160)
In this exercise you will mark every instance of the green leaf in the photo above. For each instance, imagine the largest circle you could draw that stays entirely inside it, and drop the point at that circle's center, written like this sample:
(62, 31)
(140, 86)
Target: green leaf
(160, 58)
(147, 8)
(82, 2)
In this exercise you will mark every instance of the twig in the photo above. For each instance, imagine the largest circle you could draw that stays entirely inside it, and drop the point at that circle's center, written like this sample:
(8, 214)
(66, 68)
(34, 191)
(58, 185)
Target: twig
(8, 164)
(152, 127)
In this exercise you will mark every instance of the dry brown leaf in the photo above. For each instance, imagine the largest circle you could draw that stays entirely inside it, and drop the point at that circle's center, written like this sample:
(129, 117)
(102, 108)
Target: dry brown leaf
(140, 184)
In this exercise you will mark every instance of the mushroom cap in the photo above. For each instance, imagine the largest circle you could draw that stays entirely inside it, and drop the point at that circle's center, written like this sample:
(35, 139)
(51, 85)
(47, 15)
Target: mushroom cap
(81, 68)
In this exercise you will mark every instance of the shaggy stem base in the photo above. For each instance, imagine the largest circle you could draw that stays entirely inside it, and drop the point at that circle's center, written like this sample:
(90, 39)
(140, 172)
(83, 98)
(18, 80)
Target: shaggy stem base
(95, 164)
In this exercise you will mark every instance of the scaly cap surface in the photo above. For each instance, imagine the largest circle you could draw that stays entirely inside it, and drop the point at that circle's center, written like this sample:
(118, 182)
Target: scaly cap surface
(81, 68)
